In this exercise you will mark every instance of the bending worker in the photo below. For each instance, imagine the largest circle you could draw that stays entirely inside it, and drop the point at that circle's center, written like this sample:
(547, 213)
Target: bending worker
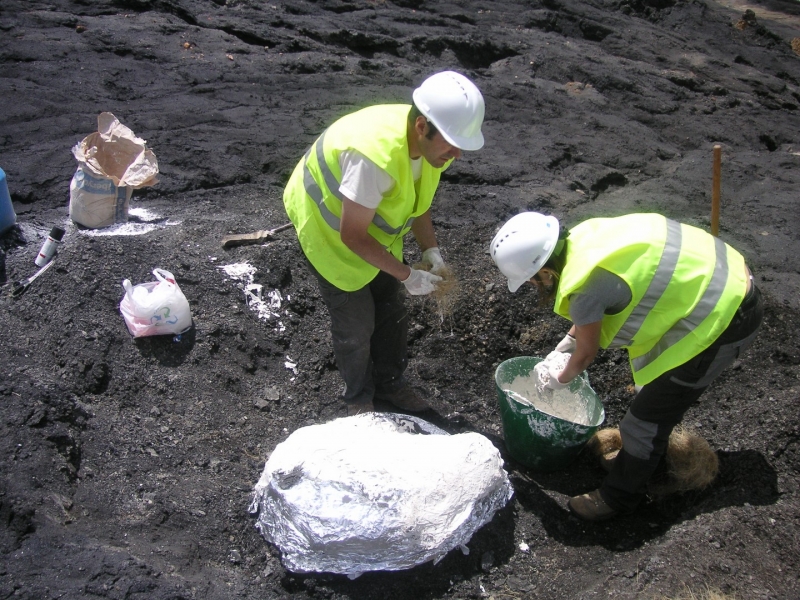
(682, 302)
(365, 183)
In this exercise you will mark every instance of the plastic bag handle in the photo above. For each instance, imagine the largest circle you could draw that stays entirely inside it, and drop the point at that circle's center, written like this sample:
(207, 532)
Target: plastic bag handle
(164, 276)
(128, 288)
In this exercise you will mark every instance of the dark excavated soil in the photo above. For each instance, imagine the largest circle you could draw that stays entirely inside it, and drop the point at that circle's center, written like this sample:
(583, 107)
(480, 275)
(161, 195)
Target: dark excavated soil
(126, 466)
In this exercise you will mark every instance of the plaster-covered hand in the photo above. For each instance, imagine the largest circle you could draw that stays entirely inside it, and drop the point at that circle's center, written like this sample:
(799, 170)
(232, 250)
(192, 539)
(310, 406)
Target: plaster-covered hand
(421, 283)
(553, 383)
(567, 345)
(542, 372)
(433, 257)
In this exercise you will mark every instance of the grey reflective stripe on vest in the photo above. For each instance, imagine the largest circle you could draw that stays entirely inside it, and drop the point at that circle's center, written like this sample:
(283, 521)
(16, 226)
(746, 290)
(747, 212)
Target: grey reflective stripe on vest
(701, 311)
(314, 191)
(658, 284)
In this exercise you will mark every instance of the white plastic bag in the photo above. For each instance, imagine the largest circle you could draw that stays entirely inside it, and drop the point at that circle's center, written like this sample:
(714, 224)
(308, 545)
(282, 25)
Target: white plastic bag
(112, 162)
(155, 308)
(377, 491)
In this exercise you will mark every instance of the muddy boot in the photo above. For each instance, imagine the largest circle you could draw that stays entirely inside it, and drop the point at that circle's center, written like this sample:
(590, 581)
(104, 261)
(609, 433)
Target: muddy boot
(406, 398)
(358, 408)
(591, 507)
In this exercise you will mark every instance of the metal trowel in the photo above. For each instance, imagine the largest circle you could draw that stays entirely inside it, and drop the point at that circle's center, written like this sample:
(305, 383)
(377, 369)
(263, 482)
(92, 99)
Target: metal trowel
(256, 237)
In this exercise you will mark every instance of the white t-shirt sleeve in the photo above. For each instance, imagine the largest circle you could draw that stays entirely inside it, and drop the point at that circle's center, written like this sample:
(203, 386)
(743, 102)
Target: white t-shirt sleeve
(363, 181)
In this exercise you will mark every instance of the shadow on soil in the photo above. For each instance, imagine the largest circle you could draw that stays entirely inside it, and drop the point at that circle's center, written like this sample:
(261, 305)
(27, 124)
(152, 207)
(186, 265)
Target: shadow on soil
(168, 350)
(491, 546)
(745, 477)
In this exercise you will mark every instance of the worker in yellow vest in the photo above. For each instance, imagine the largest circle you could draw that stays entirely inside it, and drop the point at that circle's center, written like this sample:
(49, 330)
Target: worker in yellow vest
(365, 183)
(682, 302)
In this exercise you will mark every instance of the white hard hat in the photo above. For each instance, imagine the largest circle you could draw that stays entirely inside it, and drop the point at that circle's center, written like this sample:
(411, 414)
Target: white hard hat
(455, 105)
(523, 245)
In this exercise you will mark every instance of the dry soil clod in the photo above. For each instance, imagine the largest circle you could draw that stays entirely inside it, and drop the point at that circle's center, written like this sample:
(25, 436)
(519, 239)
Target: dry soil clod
(691, 463)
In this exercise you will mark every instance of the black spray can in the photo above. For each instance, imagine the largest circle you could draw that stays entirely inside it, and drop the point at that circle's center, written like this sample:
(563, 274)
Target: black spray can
(49, 246)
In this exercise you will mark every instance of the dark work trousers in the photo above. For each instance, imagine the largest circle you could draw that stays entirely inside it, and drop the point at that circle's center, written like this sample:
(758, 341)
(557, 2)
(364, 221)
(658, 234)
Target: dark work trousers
(661, 404)
(369, 330)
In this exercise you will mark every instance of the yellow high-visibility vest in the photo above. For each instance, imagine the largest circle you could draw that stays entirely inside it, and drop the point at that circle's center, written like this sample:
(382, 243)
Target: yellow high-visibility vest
(314, 203)
(685, 284)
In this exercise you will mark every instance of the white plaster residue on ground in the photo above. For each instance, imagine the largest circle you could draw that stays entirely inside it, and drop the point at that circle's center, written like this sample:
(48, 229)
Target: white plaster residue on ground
(290, 364)
(34, 232)
(266, 305)
(121, 229)
(140, 221)
(242, 271)
(143, 214)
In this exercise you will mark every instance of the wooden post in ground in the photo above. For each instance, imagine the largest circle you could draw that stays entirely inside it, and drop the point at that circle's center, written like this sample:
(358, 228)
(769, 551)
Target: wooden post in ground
(715, 191)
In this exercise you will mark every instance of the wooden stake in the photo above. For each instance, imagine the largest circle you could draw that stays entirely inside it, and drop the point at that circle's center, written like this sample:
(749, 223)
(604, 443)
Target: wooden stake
(715, 191)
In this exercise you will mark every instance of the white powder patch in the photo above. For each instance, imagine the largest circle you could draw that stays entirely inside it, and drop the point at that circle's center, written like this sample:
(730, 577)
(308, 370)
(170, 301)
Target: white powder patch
(32, 232)
(563, 403)
(242, 271)
(121, 229)
(143, 214)
(266, 305)
(142, 221)
(290, 364)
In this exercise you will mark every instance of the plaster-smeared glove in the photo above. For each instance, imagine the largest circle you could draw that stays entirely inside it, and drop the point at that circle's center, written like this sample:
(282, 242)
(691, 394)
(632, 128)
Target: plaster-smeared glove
(567, 345)
(553, 383)
(542, 372)
(420, 283)
(433, 257)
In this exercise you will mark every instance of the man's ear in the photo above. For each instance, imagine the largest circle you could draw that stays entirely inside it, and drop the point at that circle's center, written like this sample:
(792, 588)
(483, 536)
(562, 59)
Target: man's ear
(547, 272)
(421, 125)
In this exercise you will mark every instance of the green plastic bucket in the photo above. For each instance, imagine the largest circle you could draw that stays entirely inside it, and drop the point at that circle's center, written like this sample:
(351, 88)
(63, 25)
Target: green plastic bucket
(535, 438)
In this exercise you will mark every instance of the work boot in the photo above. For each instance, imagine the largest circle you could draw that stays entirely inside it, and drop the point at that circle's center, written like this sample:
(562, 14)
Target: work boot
(591, 507)
(406, 398)
(358, 408)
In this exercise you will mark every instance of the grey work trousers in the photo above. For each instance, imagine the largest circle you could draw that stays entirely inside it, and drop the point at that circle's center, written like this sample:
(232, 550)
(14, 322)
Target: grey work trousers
(661, 404)
(369, 330)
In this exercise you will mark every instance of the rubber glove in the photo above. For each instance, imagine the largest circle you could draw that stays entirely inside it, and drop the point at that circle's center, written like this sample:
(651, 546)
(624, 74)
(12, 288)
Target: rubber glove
(567, 345)
(553, 383)
(433, 257)
(421, 283)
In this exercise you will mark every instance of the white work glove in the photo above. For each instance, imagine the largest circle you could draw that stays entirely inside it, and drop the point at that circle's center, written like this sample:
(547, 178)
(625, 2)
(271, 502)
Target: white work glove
(542, 375)
(553, 383)
(567, 345)
(421, 283)
(547, 377)
(433, 257)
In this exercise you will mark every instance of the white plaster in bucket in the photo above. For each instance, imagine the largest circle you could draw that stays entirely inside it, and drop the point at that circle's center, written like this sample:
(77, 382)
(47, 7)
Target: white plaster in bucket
(564, 404)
